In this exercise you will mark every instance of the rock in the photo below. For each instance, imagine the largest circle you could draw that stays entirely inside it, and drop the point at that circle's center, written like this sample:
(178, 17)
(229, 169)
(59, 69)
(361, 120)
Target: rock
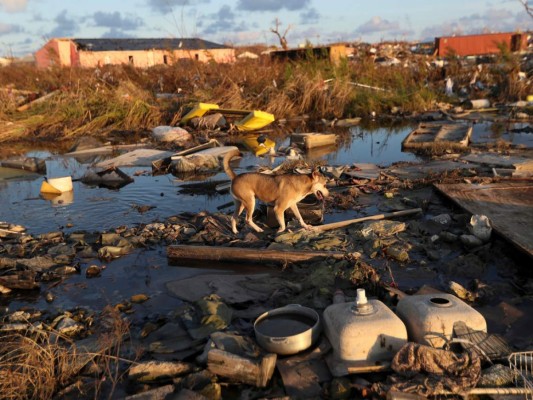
(186, 394)
(139, 298)
(159, 393)
(443, 219)
(49, 297)
(4, 290)
(67, 326)
(340, 388)
(93, 271)
(471, 241)
(480, 227)
(397, 253)
(448, 236)
(38, 264)
(496, 375)
(157, 371)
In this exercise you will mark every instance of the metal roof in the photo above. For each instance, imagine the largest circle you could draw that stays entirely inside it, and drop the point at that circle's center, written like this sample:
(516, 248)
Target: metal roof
(146, 44)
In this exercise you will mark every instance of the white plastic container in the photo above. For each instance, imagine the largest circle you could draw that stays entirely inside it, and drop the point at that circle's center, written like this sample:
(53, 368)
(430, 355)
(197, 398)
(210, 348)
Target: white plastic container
(366, 330)
(429, 318)
(63, 184)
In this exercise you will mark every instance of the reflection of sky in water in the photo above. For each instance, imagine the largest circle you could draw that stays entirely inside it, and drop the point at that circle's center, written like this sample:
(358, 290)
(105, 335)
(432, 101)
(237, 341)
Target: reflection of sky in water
(96, 209)
(510, 132)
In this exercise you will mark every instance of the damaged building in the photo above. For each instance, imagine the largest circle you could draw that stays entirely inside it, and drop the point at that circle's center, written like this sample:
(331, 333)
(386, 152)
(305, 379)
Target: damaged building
(143, 53)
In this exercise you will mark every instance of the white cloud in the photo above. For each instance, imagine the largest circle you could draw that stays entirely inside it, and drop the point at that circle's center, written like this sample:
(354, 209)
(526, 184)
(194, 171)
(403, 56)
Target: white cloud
(377, 24)
(8, 28)
(13, 6)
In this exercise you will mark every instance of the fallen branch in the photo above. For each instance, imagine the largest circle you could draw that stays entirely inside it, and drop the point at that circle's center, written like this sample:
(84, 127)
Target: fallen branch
(342, 224)
(241, 254)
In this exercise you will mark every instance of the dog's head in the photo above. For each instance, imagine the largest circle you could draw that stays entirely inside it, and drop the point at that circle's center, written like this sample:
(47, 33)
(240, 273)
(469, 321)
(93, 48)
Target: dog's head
(319, 185)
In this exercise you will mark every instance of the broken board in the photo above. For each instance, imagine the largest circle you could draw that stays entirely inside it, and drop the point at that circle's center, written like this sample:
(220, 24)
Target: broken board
(508, 205)
(138, 157)
(428, 135)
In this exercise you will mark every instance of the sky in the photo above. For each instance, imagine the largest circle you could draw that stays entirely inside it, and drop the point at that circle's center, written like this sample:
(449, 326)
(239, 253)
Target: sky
(25, 25)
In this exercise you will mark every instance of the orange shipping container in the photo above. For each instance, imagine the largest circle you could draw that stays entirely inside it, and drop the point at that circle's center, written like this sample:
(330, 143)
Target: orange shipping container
(475, 45)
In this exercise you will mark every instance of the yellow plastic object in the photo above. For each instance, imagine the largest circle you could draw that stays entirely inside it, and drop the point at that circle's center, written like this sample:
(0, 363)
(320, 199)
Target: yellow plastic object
(255, 120)
(47, 188)
(198, 111)
(530, 98)
(256, 147)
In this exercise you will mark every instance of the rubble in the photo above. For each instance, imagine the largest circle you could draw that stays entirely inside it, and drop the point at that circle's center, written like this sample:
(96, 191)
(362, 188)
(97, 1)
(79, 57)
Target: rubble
(186, 329)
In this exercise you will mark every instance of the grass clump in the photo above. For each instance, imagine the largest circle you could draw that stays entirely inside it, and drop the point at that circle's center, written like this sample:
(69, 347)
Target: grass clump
(38, 363)
(123, 98)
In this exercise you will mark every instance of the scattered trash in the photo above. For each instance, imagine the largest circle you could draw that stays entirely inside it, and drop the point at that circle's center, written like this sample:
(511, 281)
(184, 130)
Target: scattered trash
(169, 134)
(364, 331)
(253, 120)
(428, 371)
(57, 185)
(31, 164)
(259, 145)
(311, 140)
(110, 177)
(287, 330)
(447, 136)
(422, 313)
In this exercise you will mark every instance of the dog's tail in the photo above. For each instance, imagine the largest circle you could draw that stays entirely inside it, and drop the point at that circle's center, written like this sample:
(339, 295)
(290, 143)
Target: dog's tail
(227, 159)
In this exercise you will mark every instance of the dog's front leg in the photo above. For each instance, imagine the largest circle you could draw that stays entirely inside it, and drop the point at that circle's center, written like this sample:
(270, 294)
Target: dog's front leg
(296, 212)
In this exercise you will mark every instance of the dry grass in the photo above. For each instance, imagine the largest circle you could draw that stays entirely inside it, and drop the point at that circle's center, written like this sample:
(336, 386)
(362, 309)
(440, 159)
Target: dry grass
(31, 366)
(122, 98)
(35, 364)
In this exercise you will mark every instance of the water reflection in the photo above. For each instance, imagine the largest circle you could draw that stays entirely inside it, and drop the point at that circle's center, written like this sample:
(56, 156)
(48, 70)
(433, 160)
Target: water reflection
(94, 208)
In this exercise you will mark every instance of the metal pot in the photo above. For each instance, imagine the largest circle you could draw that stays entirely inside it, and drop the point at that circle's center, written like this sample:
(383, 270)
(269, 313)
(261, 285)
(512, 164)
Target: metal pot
(287, 330)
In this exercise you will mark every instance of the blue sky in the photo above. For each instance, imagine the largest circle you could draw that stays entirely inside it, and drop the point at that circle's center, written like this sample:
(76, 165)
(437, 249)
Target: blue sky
(25, 25)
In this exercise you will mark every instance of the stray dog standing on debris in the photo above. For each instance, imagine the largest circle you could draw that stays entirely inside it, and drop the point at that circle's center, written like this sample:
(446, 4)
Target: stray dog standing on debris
(284, 191)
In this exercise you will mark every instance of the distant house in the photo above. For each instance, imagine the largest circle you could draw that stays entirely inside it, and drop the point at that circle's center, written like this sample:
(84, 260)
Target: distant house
(141, 53)
(334, 53)
(482, 44)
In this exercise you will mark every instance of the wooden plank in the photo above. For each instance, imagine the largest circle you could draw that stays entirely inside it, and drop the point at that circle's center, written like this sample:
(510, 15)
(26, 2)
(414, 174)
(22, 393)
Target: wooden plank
(303, 373)
(239, 369)
(342, 368)
(508, 205)
(241, 254)
(342, 224)
(428, 135)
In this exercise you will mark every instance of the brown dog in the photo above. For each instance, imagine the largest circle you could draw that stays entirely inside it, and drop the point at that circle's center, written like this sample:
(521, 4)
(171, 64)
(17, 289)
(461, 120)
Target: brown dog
(284, 191)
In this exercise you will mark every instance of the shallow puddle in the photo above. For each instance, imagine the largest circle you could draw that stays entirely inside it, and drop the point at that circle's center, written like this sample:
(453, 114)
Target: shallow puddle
(93, 208)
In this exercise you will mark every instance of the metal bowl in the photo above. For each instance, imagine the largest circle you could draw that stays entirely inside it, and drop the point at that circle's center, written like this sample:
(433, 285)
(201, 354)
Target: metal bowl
(287, 330)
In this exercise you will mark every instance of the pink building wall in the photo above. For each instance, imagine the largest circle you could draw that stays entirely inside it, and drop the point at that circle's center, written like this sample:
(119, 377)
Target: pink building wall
(65, 53)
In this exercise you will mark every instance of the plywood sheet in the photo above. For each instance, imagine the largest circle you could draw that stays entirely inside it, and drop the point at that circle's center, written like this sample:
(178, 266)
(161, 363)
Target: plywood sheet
(508, 205)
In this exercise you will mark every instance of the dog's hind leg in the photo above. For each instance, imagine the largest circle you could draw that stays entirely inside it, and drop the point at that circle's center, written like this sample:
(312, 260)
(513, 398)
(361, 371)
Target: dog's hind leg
(249, 204)
(239, 207)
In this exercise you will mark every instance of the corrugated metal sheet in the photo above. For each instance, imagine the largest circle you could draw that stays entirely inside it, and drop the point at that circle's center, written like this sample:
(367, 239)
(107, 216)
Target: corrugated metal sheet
(146, 44)
(479, 44)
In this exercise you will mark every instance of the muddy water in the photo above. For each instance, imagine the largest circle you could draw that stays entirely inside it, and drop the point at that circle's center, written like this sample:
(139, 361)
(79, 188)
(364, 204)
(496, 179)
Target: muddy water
(146, 270)
(92, 208)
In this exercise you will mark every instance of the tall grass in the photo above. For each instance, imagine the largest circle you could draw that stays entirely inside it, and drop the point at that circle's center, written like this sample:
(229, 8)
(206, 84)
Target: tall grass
(37, 363)
(96, 102)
